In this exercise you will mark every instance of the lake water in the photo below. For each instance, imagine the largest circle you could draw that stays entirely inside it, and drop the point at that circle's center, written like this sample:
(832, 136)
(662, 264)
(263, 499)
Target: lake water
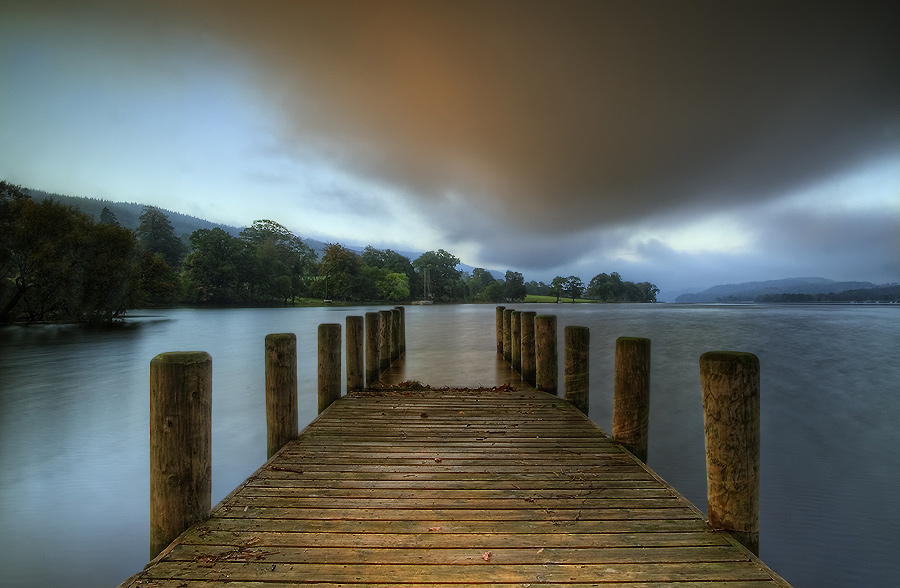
(74, 411)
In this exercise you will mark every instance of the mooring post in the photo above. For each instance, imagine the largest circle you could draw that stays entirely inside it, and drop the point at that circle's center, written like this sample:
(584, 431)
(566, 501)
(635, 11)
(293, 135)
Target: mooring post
(577, 366)
(373, 338)
(356, 377)
(730, 384)
(631, 395)
(329, 364)
(281, 391)
(402, 329)
(395, 335)
(507, 335)
(180, 444)
(499, 313)
(384, 342)
(515, 339)
(545, 354)
(527, 346)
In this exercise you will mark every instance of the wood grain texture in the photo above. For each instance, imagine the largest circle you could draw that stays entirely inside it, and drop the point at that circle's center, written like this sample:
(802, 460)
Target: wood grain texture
(458, 487)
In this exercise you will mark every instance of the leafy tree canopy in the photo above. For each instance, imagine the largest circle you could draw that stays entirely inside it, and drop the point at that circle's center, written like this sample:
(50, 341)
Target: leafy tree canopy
(155, 234)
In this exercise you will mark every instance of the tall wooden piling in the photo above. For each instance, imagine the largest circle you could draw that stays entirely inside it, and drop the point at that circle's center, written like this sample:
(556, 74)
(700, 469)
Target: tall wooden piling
(356, 376)
(730, 384)
(281, 391)
(180, 444)
(527, 346)
(402, 337)
(395, 335)
(577, 366)
(545, 354)
(631, 395)
(499, 319)
(373, 339)
(515, 339)
(329, 364)
(384, 341)
(507, 342)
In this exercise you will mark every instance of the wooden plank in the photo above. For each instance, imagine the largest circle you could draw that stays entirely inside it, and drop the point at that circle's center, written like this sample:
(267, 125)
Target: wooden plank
(545, 556)
(455, 488)
(495, 570)
(201, 583)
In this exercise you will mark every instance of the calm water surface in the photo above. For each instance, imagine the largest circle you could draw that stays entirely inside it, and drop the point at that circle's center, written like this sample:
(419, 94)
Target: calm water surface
(74, 411)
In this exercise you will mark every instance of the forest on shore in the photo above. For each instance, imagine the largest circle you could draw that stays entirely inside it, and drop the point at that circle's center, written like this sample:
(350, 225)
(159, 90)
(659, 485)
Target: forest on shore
(58, 264)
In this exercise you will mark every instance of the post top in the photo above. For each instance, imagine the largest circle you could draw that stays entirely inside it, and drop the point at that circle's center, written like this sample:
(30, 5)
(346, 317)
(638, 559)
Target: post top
(633, 340)
(734, 357)
(183, 357)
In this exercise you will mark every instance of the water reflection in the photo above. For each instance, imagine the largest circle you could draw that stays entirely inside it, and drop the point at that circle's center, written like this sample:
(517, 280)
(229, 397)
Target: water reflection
(74, 421)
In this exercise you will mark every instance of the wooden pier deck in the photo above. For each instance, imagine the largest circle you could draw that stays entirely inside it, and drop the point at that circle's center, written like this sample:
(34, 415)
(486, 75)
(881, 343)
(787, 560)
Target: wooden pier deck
(470, 488)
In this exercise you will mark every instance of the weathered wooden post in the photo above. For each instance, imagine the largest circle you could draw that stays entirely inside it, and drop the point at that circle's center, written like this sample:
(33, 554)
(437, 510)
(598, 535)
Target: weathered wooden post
(180, 444)
(402, 329)
(545, 355)
(329, 364)
(500, 310)
(631, 395)
(356, 377)
(527, 346)
(577, 366)
(395, 335)
(281, 391)
(507, 335)
(373, 339)
(730, 384)
(384, 342)
(515, 339)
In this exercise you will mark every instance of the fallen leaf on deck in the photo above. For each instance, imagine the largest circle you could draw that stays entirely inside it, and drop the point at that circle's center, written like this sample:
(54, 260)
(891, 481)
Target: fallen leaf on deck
(486, 556)
(434, 528)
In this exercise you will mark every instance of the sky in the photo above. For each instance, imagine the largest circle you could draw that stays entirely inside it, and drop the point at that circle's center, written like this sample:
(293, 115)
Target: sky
(684, 143)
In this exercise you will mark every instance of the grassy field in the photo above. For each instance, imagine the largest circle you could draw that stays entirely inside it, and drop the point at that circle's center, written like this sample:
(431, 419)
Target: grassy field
(538, 298)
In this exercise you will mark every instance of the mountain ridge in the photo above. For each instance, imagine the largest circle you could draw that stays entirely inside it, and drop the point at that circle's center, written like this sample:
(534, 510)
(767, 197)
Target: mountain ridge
(748, 291)
(128, 215)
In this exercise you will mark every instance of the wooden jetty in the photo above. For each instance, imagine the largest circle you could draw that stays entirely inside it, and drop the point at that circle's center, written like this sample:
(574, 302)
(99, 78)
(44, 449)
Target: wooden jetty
(454, 486)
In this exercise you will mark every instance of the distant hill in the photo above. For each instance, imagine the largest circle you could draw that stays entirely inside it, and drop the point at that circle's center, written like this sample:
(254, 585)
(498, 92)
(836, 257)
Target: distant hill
(747, 292)
(128, 213)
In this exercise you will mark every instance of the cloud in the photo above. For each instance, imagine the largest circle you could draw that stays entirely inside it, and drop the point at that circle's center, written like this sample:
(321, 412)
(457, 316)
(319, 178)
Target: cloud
(579, 114)
(662, 140)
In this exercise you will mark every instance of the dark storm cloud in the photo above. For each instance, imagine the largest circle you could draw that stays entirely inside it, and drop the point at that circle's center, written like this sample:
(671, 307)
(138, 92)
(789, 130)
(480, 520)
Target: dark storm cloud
(570, 115)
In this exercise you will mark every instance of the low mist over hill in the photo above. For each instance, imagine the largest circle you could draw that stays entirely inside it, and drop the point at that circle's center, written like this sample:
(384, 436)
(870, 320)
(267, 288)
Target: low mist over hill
(747, 292)
(128, 213)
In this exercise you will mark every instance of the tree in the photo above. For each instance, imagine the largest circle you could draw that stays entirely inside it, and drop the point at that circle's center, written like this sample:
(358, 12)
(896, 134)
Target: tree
(538, 288)
(340, 273)
(493, 292)
(573, 287)
(58, 265)
(108, 217)
(606, 287)
(281, 262)
(444, 280)
(393, 287)
(393, 262)
(558, 286)
(514, 287)
(611, 288)
(216, 268)
(156, 235)
(477, 283)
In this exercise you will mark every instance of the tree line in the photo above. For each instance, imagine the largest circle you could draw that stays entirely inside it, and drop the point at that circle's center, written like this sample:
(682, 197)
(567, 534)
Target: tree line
(884, 294)
(602, 288)
(59, 265)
